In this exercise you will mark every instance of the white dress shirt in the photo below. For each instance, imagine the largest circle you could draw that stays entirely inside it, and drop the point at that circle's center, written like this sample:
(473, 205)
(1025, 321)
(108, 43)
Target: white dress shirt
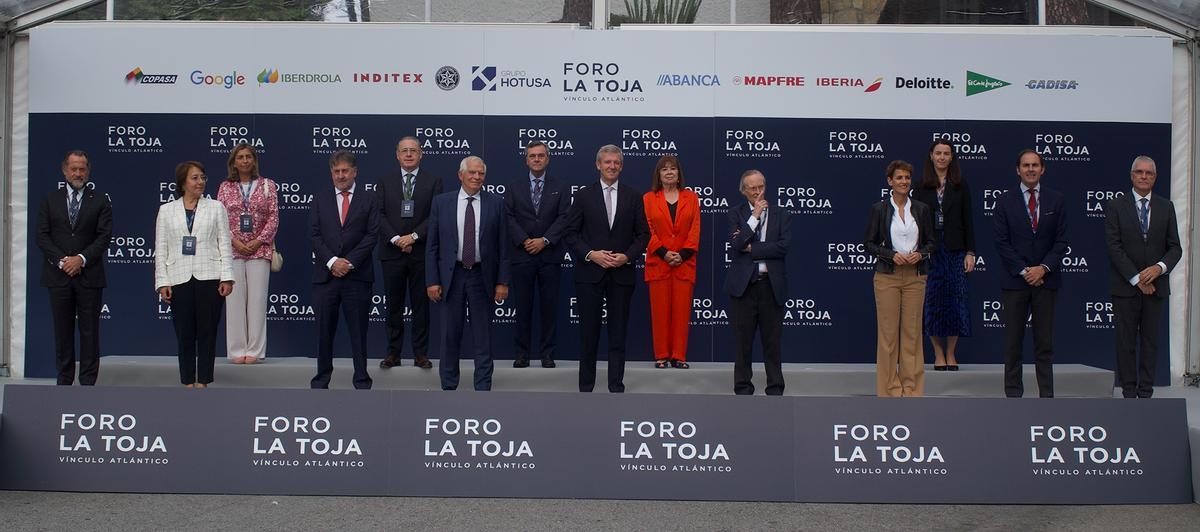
(905, 231)
(461, 216)
(403, 179)
(1137, 206)
(338, 194)
(762, 235)
(604, 192)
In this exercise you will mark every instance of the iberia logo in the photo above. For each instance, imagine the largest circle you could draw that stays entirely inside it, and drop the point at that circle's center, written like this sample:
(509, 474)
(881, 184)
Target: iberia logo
(874, 86)
(268, 76)
(977, 83)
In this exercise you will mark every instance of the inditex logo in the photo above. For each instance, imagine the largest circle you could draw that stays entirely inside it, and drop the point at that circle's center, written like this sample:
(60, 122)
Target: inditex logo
(758, 80)
(387, 77)
(136, 76)
(977, 83)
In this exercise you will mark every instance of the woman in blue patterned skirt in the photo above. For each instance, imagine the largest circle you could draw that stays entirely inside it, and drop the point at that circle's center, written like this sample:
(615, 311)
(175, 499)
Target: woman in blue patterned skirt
(946, 307)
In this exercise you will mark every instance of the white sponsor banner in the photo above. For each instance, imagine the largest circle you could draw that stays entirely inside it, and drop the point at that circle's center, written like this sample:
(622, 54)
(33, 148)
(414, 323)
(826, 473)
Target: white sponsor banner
(401, 69)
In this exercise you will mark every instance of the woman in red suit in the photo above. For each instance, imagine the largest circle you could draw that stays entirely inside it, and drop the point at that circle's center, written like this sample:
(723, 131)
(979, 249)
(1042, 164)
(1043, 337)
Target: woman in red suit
(673, 214)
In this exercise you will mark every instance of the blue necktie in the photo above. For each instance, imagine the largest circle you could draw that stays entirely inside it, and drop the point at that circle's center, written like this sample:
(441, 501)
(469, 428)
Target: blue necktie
(537, 195)
(1144, 217)
(73, 211)
(468, 252)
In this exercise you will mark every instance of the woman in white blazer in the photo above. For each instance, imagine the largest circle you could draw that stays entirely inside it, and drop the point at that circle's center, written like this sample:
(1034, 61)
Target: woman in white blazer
(193, 270)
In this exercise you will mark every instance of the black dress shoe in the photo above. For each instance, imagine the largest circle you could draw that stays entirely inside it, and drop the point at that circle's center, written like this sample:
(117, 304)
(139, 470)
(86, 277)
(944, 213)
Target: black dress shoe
(389, 361)
(422, 361)
(521, 363)
(951, 367)
(939, 368)
(548, 363)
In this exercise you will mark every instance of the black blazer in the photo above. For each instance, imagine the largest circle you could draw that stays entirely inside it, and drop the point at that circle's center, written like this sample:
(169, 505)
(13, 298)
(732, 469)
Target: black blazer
(773, 250)
(957, 214)
(89, 237)
(353, 241)
(879, 235)
(549, 222)
(587, 229)
(390, 191)
(1019, 247)
(1129, 253)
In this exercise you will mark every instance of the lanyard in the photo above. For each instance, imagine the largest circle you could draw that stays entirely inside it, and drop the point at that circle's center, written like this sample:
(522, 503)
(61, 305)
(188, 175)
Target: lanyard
(247, 191)
(190, 216)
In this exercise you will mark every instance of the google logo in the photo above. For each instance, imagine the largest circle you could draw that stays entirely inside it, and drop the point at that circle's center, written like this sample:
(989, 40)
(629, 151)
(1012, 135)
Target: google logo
(225, 80)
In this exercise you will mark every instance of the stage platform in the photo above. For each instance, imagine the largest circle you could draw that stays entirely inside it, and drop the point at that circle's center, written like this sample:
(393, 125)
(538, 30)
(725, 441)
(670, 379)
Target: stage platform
(973, 380)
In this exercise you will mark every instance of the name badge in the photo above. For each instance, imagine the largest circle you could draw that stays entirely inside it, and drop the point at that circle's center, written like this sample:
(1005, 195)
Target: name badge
(246, 223)
(189, 245)
(941, 219)
(407, 208)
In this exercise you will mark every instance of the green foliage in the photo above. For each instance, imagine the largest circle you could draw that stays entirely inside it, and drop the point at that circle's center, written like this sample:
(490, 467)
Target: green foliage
(290, 10)
(662, 11)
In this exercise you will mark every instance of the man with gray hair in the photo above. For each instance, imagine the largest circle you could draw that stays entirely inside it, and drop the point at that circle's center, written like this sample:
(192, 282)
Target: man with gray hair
(606, 232)
(1143, 245)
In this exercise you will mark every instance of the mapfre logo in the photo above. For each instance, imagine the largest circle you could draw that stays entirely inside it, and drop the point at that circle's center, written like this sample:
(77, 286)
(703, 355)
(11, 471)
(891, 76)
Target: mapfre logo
(137, 77)
(757, 80)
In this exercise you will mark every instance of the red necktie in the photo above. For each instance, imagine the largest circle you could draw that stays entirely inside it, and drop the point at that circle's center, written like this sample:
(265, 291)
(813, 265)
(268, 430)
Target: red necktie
(1033, 214)
(346, 205)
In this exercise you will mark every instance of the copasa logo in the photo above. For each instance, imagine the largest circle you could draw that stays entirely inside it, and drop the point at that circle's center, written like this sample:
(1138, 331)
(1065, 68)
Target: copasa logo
(268, 76)
(199, 77)
(137, 77)
(977, 83)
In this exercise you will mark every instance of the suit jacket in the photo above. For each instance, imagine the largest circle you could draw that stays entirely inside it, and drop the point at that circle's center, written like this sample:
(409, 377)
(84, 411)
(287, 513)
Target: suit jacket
(353, 241)
(549, 222)
(390, 192)
(682, 233)
(1129, 253)
(214, 253)
(587, 230)
(959, 220)
(1019, 247)
(441, 252)
(773, 250)
(879, 235)
(89, 237)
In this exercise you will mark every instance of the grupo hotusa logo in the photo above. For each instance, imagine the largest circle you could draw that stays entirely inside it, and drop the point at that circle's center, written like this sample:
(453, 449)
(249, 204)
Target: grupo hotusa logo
(137, 77)
(885, 450)
(647, 143)
(222, 138)
(1061, 147)
(328, 139)
(1095, 200)
(923, 83)
(768, 80)
(806, 312)
(109, 438)
(854, 145)
(803, 200)
(133, 139)
(978, 83)
(402, 78)
(1098, 315)
(1052, 84)
(446, 78)
(965, 147)
(688, 80)
(1080, 451)
(130, 249)
(221, 80)
(271, 76)
(489, 78)
(586, 82)
(556, 142)
(848, 256)
(843, 82)
(751, 143)
(438, 140)
(472, 443)
(661, 446)
(302, 442)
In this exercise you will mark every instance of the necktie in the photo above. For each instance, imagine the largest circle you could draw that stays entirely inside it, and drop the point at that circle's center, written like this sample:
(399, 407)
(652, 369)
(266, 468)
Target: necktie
(537, 195)
(73, 212)
(408, 186)
(609, 203)
(345, 205)
(468, 254)
(1033, 214)
(1144, 217)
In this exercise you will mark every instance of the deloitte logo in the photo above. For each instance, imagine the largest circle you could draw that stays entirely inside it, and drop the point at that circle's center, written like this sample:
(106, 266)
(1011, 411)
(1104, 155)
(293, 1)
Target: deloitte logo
(977, 83)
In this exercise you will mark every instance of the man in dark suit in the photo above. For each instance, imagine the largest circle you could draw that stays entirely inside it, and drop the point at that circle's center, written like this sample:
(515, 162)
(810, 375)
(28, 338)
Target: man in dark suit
(74, 227)
(1031, 239)
(466, 265)
(343, 224)
(404, 198)
(537, 217)
(606, 232)
(759, 235)
(1143, 245)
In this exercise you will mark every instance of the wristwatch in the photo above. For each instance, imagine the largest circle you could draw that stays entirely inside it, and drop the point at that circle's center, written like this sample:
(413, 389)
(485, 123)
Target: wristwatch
(415, 236)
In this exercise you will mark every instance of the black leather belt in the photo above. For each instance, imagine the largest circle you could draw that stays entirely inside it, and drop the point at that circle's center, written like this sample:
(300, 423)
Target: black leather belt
(461, 265)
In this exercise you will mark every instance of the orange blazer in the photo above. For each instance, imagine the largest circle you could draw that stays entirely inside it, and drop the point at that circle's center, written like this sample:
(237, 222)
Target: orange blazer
(684, 233)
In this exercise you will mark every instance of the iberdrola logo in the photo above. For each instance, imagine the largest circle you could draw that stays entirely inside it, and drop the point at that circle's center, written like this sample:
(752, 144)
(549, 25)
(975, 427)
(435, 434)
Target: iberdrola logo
(977, 83)
(268, 76)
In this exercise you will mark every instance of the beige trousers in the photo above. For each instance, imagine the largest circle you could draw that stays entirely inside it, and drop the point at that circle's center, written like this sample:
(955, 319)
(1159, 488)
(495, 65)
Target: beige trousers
(246, 309)
(899, 309)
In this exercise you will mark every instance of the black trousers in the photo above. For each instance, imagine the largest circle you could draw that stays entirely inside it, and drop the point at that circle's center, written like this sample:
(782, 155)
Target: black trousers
(1017, 305)
(354, 300)
(1137, 318)
(70, 304)
(466, 295)
(401, 277)
(597, 301)
(757, 309)
(196, 311)
(526, 276)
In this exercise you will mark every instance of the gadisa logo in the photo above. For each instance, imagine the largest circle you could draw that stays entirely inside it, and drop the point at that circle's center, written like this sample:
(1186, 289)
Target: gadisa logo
(137, 77)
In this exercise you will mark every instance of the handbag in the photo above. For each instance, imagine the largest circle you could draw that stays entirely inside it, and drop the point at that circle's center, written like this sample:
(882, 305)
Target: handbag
(276, 257)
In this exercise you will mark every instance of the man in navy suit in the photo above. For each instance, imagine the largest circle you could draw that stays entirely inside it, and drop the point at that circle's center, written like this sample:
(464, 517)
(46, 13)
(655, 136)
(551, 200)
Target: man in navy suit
(74, 227)
(1143, 245)
(467, 268)
(606, 233)
(759, 235)
(537, 217)
(343, 224)
(1031, 239)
